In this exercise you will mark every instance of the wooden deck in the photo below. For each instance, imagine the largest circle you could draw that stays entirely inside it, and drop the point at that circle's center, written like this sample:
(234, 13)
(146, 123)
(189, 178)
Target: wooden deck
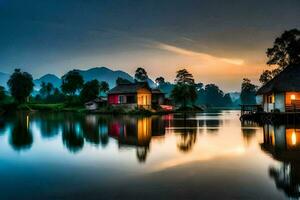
(255, 113)
(272, 118)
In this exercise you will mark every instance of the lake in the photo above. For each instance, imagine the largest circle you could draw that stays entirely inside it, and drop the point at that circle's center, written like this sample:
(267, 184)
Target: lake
(206, 155)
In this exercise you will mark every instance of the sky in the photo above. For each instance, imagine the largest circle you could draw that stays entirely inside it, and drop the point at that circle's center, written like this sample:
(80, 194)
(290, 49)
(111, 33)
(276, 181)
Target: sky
(218, 41)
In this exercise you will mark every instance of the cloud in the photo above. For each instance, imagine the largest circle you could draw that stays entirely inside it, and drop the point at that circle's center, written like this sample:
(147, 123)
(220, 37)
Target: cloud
(198, 55)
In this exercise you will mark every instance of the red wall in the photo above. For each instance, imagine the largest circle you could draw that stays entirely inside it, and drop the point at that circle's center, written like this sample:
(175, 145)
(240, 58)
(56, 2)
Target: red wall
(113, 99)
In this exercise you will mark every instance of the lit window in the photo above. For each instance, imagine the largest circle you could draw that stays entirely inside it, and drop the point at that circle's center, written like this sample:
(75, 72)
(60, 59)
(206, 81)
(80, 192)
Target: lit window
(294, 138)
(293, 97)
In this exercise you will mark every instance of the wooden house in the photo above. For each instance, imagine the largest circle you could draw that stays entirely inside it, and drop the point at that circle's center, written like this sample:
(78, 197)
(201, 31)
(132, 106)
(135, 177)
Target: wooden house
(131, 95)
(282, 93)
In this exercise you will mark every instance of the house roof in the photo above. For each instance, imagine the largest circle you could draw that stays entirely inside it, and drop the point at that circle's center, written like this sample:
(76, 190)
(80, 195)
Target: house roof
(127, 88)
(287, 80)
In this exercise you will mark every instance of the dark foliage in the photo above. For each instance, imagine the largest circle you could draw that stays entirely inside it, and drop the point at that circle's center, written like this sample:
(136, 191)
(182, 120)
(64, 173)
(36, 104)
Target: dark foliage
(184, 92)
(141, 75)
(120, 81)
(90, 91)
(248, 92)
(72, 82)
(20, 85)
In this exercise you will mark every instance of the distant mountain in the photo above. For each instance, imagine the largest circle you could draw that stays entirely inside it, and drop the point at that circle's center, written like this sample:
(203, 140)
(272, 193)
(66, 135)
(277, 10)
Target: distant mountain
(235, 95)
(108, 75)
(3, 79)
(104, 74)
(99, 73)
(48, 78)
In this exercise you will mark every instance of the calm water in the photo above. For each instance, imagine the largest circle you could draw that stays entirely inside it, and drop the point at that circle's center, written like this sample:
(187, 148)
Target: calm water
(208, 155)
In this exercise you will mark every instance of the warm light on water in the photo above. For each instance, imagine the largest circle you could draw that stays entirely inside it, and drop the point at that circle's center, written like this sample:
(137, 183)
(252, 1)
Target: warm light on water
(67, 155)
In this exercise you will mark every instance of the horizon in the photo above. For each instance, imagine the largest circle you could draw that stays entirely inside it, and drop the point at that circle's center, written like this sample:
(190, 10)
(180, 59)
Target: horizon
(217, 42)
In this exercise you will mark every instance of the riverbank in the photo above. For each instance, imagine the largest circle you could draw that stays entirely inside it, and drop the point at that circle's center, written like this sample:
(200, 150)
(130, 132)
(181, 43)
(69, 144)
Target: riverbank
(107, 110)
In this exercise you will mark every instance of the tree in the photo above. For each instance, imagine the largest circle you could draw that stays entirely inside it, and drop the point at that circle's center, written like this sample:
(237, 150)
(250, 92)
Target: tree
(286, 49)
(213, 95)
(90, 91)
(285, 52)
(141, 75)
(46, 89)
(184, 77)
(227, 100)
(2, 93)
(248, 92)
(72, 82)
(42, 91)
(184, 91)
(160, 80)
(265, 76)
(49, 89)
(20, 85)
(122, 81)
(104, 87)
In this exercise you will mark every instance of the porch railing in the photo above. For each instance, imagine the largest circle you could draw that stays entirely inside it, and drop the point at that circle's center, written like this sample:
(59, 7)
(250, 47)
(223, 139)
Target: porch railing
(293, 107)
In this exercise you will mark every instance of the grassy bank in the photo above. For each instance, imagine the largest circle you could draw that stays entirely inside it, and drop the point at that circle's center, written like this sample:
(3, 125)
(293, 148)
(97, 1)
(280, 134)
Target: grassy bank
(63, 107)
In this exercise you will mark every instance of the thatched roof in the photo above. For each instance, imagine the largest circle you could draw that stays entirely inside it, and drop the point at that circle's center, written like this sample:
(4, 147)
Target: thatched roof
(286, 81)
(129, 88)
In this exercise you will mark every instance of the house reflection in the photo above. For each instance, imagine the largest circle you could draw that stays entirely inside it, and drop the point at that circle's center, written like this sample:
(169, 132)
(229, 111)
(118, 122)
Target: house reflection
(283, 143)
(133, 132)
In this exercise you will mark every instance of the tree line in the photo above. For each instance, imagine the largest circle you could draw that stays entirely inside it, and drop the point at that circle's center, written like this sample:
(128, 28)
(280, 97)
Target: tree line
(72, 90)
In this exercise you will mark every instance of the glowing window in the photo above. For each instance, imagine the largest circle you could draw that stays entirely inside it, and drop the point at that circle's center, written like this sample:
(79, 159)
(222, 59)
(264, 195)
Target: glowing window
(294, 138)
(293, 97)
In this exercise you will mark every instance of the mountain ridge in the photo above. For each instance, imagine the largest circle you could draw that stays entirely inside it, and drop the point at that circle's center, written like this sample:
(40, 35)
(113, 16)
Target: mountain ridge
(100, 73)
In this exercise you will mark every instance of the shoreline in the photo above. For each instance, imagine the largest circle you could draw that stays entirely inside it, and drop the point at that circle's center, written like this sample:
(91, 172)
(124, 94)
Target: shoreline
(61, 107)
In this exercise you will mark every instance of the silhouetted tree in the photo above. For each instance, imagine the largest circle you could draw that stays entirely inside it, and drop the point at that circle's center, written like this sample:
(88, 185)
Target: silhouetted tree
(213, 95)
(184, 77)
(286, 49)
(227, 100)
(285, 52)
(265, 76)
(122, 81)
(184, 91)
(140, 75)
(20, 85)
(104, 87)
(2, 93)
(72, 82)
(90, 91)
(160, 80)
(248, 92)
(46, 89)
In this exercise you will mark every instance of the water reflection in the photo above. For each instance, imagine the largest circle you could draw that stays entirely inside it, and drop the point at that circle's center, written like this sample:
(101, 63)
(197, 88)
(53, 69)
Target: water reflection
(249, 130)
(147, 152)
(187, 133)
(129, 132)
(21, 135)
(283, 143)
